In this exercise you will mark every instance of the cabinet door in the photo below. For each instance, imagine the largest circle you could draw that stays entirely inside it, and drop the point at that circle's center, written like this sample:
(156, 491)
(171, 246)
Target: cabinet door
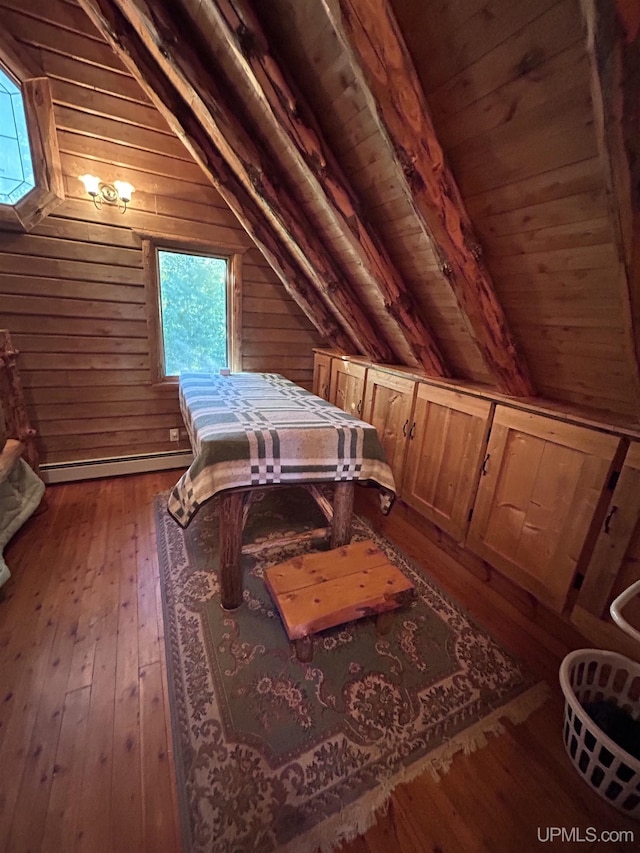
(321, 375)
(448, 436)
(620, 522)
(347, 386)
(542, 481)
(387, 405)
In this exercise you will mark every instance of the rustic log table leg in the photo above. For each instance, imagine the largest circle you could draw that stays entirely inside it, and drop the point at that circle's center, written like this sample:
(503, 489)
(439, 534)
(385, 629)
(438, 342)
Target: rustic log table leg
(231, 518)
(342, 513)
(384, 622)
(304, 649)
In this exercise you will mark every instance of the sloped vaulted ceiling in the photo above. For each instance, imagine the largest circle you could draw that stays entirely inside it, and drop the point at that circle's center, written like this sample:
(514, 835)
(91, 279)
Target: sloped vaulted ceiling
(432, 181)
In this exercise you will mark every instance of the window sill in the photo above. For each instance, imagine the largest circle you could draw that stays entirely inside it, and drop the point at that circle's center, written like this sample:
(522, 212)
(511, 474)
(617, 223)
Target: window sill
(26, 213)
(165, 382)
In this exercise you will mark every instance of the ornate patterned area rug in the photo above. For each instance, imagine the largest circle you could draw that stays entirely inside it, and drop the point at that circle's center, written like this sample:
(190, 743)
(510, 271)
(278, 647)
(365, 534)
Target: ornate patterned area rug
(274, 754)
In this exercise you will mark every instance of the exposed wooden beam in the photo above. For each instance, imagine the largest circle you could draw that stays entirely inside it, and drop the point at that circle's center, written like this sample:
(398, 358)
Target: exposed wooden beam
(128, 46)
(371, 39)
(291, 120)
(164, 31)
(613, 30)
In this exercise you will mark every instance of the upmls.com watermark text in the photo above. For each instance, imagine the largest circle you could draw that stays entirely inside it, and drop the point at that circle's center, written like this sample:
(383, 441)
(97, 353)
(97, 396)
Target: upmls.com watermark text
(578, 834)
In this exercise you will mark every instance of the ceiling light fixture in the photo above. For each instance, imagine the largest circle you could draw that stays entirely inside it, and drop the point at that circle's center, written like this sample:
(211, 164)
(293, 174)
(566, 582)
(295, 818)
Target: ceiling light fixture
(118, 193)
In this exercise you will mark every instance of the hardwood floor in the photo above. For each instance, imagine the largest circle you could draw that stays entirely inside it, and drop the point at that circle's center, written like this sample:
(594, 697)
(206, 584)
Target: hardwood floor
(85, 746)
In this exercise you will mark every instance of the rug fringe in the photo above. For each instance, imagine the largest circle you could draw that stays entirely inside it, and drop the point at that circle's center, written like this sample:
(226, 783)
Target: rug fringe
(357, 818)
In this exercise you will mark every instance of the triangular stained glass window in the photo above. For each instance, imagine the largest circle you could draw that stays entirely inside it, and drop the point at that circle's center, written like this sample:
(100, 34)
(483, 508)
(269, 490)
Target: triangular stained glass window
(16, 167)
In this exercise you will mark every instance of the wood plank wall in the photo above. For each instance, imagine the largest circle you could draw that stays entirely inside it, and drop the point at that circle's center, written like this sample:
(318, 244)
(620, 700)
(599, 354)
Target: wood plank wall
(508, 86)
(72, 291)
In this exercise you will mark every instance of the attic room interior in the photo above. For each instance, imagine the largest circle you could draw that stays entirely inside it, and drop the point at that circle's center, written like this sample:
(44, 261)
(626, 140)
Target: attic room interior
(319, 425)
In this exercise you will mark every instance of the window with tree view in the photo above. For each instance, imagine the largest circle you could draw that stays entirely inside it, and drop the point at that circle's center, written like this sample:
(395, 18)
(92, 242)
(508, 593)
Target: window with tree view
(193, 303)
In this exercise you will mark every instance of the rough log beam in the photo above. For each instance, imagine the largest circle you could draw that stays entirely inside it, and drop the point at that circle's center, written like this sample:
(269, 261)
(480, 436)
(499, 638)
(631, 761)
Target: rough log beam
(292, 119)
(123, 39)
(164, 31)
(614, 48)
(371, 39)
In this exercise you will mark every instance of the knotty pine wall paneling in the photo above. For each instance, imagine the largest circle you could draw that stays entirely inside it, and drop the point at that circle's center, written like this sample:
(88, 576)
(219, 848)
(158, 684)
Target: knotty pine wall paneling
(72, 291)
(276, 333)
(302, 32)
(508, 85)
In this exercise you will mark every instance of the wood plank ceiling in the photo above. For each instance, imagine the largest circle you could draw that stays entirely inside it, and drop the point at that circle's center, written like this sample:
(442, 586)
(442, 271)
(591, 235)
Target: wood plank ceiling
(434, 185)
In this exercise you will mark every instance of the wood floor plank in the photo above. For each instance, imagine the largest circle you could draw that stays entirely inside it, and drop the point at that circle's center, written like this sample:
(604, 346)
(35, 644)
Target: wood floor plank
(429, 823)
(60, 829)
(148, 636)
(126, 772)
(81, 666)
(21, 605)
(149, 615)
(37, 776)
(159, 822)
(482, 803)
(435, 806)
(32, 732)
(94, 818)
(94, 560)
(393, 832)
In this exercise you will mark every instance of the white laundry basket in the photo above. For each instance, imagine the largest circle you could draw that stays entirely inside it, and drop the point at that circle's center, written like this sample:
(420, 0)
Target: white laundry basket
(593, 675)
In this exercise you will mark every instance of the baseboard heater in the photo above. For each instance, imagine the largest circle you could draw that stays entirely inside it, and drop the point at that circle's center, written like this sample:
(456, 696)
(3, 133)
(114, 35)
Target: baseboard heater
(89, 469)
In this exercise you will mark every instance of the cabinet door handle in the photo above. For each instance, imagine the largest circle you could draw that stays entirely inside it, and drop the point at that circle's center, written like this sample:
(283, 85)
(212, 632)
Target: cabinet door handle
(484, 464)
(608, 519)
(404, 427)
(412, 430)
(359, 407)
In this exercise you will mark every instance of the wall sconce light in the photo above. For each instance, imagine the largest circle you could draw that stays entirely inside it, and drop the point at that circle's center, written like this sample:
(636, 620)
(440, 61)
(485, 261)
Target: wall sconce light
(118, 193)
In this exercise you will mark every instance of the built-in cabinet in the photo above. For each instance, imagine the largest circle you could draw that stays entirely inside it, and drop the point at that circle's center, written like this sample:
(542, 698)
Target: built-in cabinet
(447, 441)
(346, 389)
(388, 405)
(614, 535)
(322, 375)
(548, 501)
(541, 483)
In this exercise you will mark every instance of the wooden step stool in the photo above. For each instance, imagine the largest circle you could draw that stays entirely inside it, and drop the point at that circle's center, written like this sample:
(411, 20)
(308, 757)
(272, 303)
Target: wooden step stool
(328, 588)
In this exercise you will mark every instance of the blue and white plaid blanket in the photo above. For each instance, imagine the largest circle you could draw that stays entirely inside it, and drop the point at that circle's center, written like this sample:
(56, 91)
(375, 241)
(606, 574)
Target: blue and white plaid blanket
(253, 429)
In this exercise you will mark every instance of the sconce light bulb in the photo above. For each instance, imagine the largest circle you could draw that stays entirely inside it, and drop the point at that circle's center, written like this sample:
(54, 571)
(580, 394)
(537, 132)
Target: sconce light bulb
(91, 184)
(124, 190)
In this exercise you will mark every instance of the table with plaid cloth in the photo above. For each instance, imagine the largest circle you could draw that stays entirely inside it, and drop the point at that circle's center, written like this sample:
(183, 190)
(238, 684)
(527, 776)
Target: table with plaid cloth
(255, 430)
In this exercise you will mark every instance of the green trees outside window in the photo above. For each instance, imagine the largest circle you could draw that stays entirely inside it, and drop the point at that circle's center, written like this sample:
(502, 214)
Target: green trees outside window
(193, 299)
